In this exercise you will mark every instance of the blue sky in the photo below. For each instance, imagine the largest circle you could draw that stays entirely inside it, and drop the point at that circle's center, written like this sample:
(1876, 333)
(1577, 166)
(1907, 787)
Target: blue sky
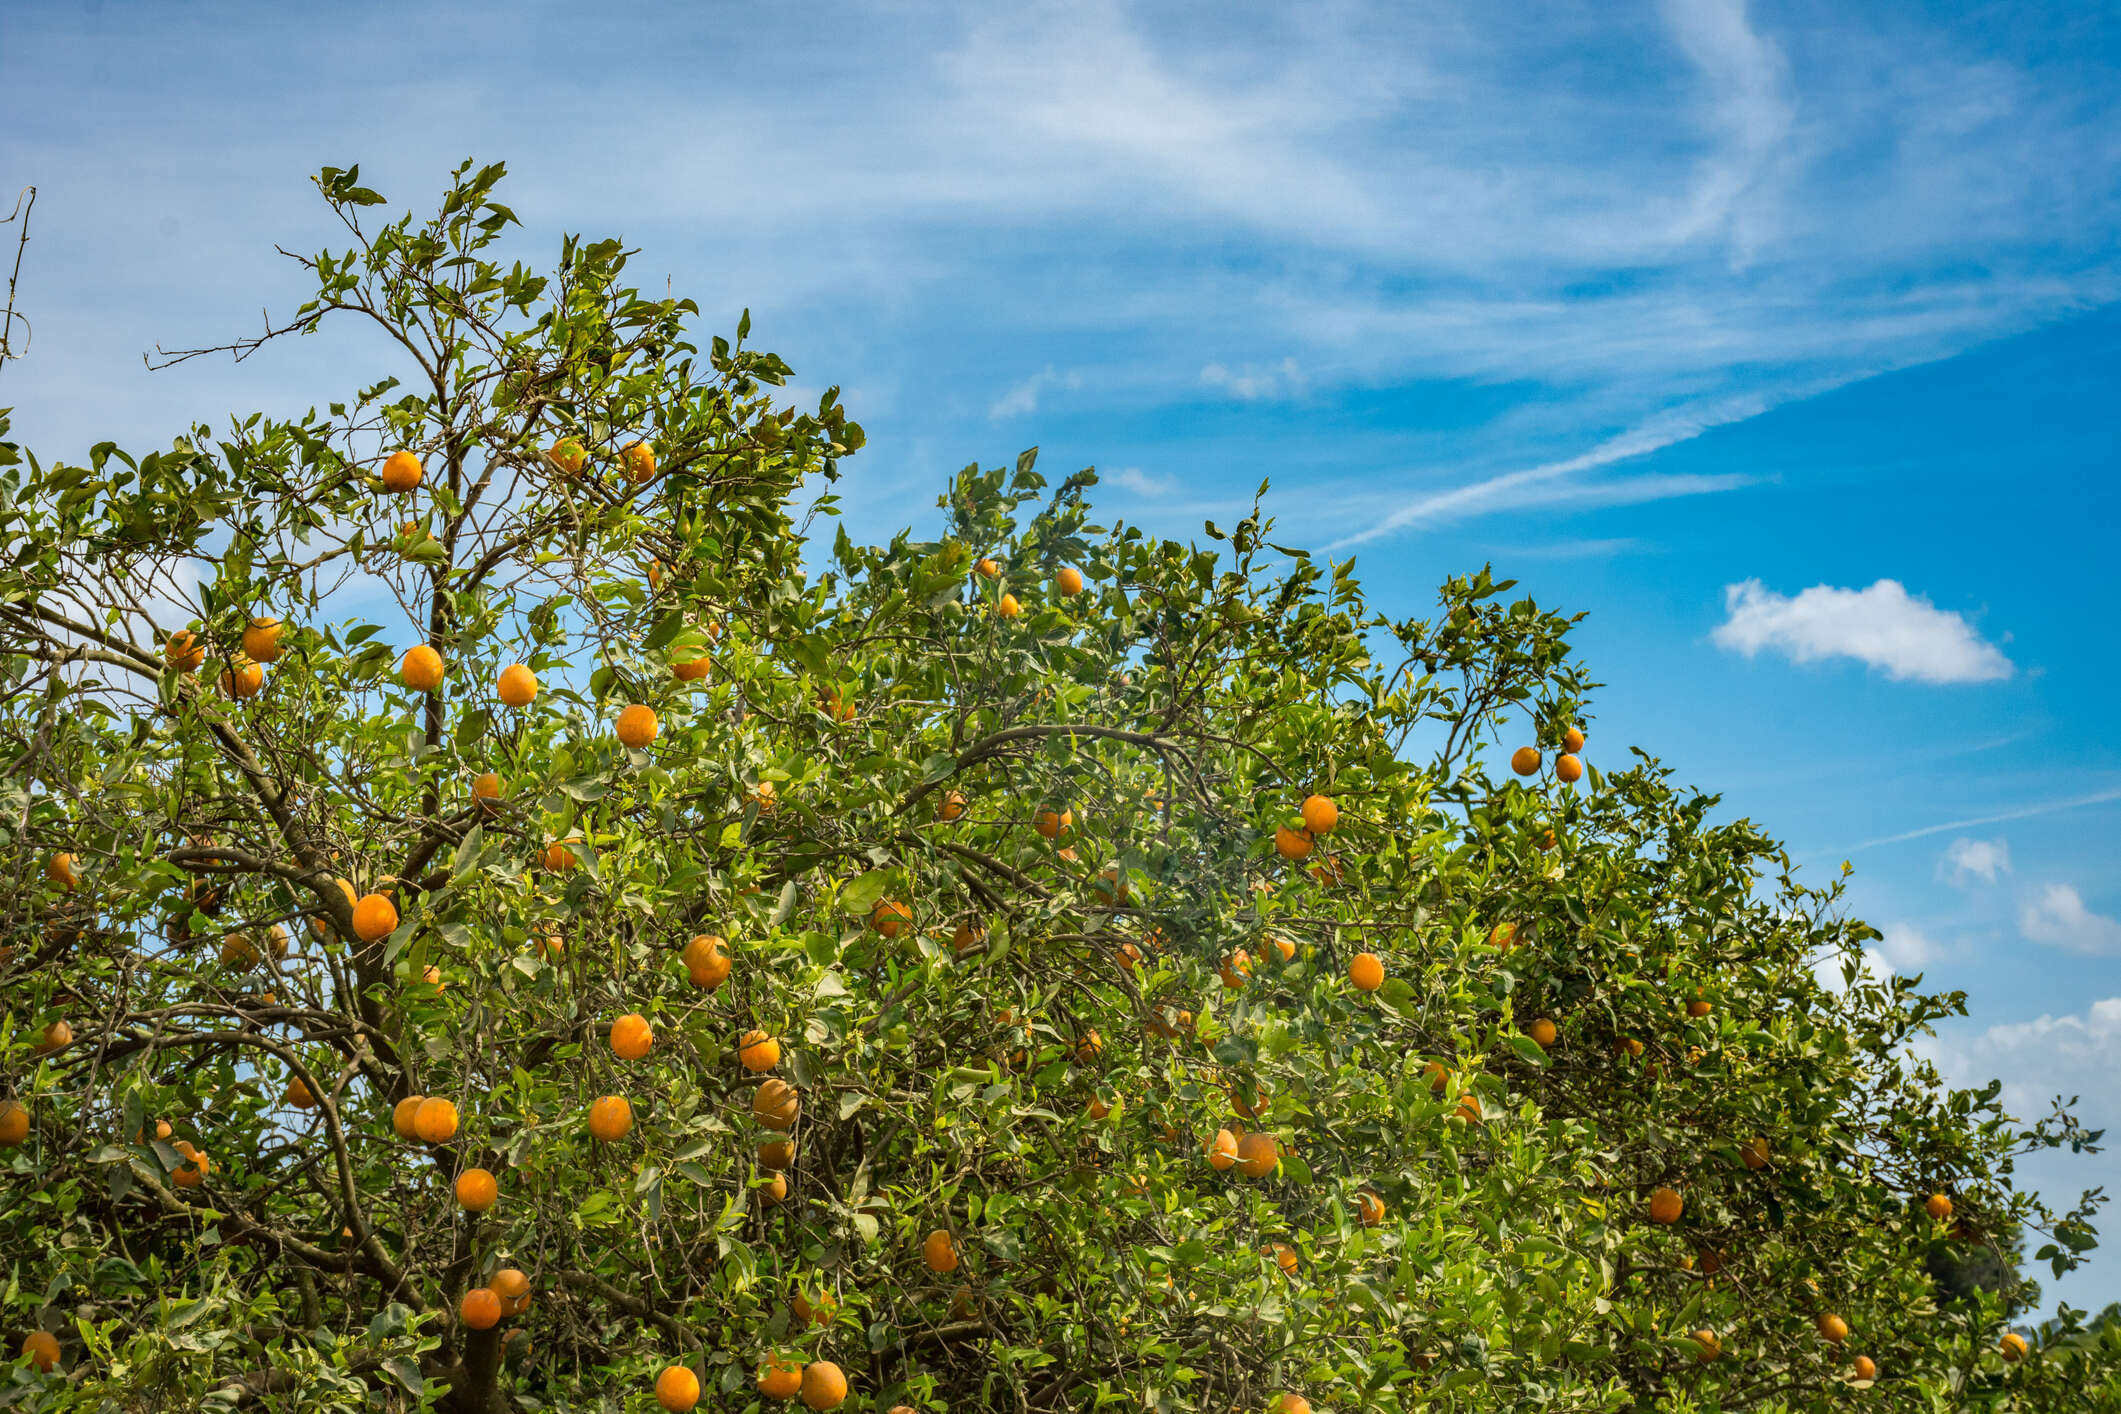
(1784, 339)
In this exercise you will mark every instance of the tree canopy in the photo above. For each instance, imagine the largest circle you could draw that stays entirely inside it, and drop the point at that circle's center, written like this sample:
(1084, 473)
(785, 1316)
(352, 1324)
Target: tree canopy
(487, 928)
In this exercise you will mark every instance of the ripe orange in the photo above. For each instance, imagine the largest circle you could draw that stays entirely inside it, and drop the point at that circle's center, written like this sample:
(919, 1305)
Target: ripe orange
(297, 1094)
(516, 686)
(691, 668)
(1292, 844)
(243, 678)
(477, 1189)
(1665, 1206)
(1369, 1208)
(952, 805)
(1108, 885)
(1097, 1108)
(480, 1308)
(777, 1154)
(1543, 1032)
(639, 460)
(1938, 1207)
(1257, 1154)
(42, 1348)
(1222, 1150)
(1568, 769)
(779, 1377)
(1069, 582)
(1833, 1328)
(890, 917)
(758, 1051)
(610, 1118)
(1008, 608)
(775, 1192)
(987, 568)
(1284, 947)
(435, 1121)
(1710, 1346)
(1864, 1368)
(558, 858)
(401, 1116)
(637, 726)
(939, 1251)
(1367, 971)
(1291, 1404)
(764, 795)
(1525, 760)
(1320, 814)
(631, 1036)
(374, 917)
(421, 668)
(824, 1386)
(2013, 1347)
(184, 651)
(1503, 935)
(1699, 1007)
(706, 961)
(193, 1171)
(514, 1290)
(57, 1037)
(14, 1123)
(1050, 822)
(677, 1389)
(1572, 740)
(967, 935)
(776, 1104)
(1236, 969)
(401, 472)
(486, 786)
(567, 455)
(1753, 1153)
(60, 870)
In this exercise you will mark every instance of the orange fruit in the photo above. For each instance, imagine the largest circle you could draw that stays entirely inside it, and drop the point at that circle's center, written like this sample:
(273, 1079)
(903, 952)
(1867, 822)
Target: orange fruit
(1050, 822)
(763, 794)
(42, 1348)
(988, 569)
(610, 1118)
(1008, 608)
(1369, 1208)
(486, 786)
(677, 1389)
(1257, 1154)
(1236, 969)
(706, 961)
(1320, 814)
(779, 1377)
(636, 726)
(480, 1308)
(243, 678)
(692, 668)
(758, 1051)
(939, 1251)
(57, 1037)
(1753, 1153)
(558, 858)
(1699, 1007)
(1284, 947)
(776, 1104)
(184, 651)
(567, 455)
(2013, 1347)
(775, 1192)
(516, 686)
(514, 1290)
(401, 1116)
(1543, 1032)
(1666, 1206)
(14, 1123)
(1097, 1108)
(435, 1121)
(1572, 740)
(1503, 935)
(639, 460)
(967, 935)
(1710, 1346)
(297, 1094)
(193, 1171)
(1938, 1207)
(1525, 760)
(421, 668)
(1108, 885)
(1291, 1404)
(374, 917)
(1568, 769)
(1367, 971)
(1129, 955)
(815, 1313)
(631, 1036)
(1292, 844)
(60, 871)
(1284, 1257)
(1222, 1150)
(952, 805)
(890, 917)
(1864, 1368)
(477, 1189)
(1833, 1328)
(777, 1154)
(1069, 582)
(401, 472)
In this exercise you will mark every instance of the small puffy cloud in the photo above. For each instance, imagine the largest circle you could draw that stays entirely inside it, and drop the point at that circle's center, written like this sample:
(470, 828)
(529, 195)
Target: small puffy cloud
(2057, 916)
(1141, 483)
(1883, 626)
(2037, 1060)
(1254, 382)
(1024, 396)
(1966, 860)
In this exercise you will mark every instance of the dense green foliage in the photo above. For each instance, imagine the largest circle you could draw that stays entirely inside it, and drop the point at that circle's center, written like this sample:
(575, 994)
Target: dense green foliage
(1027, 1042)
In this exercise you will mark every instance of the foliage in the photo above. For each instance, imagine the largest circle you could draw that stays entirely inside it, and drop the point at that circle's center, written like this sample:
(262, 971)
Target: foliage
(1026, 1042)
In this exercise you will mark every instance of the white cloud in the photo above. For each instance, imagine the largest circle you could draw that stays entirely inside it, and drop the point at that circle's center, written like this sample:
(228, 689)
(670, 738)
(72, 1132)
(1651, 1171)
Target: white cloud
(1906, 948)
(1253, 382)
(2040, 1059)
(2057, 916)
(1141, 483)
(1024, 396)
(2023, 812)
(1883, 626)
(1966, 859)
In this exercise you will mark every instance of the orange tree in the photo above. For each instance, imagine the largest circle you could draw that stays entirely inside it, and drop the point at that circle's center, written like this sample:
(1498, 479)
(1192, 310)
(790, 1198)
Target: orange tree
(485, 930)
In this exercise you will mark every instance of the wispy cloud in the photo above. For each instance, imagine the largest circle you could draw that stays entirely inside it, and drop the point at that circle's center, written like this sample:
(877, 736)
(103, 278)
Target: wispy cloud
(1023, 398)
(1965, 860)
(1141, 483)
(1253, 382)
(2023, 812)
(2056, 915)
(1883, 626)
